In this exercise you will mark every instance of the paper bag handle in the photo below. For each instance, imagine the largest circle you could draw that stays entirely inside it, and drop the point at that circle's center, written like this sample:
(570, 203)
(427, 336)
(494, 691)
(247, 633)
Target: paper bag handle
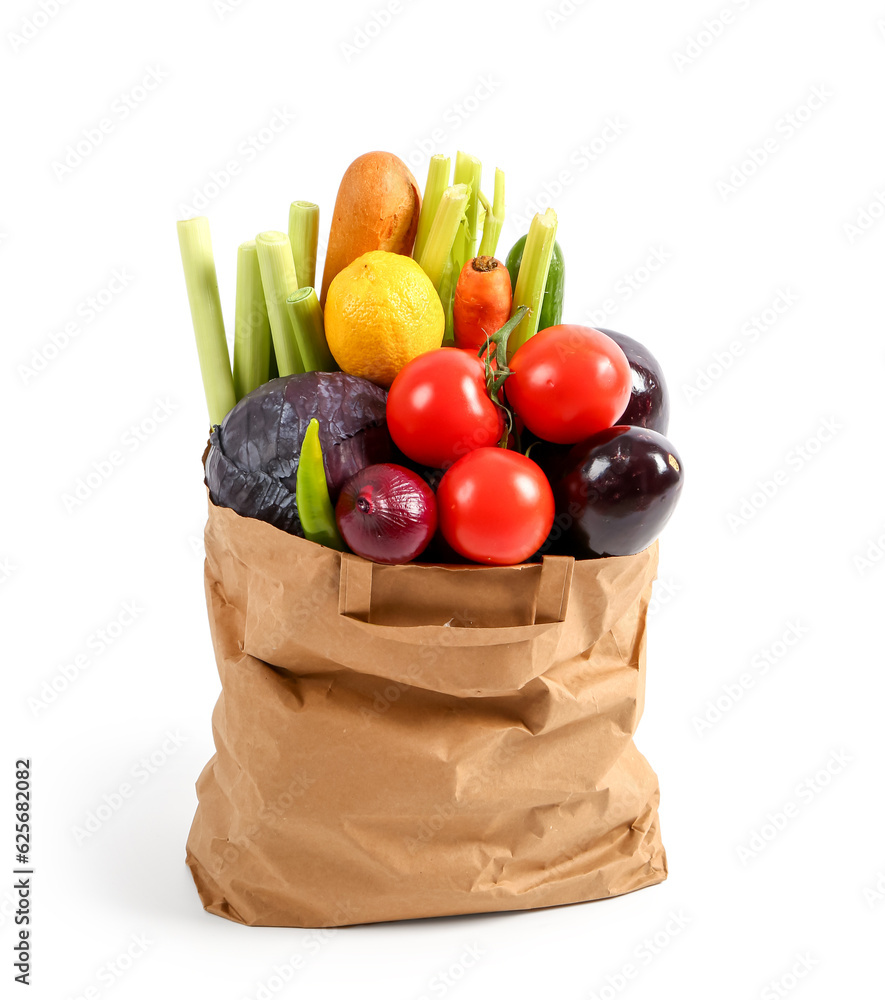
(551, 596)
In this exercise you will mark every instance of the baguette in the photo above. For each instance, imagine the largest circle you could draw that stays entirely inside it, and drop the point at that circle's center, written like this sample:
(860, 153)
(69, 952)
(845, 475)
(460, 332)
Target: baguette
(377, 208)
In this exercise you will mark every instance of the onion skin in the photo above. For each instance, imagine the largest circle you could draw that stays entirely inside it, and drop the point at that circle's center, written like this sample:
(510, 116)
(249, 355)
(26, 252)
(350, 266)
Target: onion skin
(386, 513)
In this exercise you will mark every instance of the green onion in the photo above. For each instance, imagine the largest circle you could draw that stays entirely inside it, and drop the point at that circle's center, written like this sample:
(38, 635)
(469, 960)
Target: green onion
(443, 231)
(494, 218)
(278, 279)
(532, 278)
(307, 322)
(252, 330)
(202, 293)
(438, 174)
(304, 234)
(468, 170)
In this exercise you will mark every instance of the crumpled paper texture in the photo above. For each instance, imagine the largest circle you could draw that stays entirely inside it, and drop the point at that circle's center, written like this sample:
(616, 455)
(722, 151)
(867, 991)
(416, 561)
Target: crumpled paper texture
(413, 741)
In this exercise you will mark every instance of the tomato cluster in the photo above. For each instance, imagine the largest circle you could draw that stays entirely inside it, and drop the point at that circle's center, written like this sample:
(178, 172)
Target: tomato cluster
(496, 505)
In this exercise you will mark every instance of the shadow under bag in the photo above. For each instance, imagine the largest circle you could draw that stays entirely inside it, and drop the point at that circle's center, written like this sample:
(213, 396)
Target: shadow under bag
(418, 741)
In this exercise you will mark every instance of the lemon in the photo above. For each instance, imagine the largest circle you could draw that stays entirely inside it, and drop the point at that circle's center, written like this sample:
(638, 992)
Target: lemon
(381, 311)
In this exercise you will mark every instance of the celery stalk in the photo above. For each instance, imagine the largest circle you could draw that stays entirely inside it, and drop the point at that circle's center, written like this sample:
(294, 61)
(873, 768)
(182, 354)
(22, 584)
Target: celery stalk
(304, 235)
(278, 279)
(532, 277)
(443, 231)
(468, 170)
(438, 174)
(447, 297)
(252, 330)
(307, 322)
(202, 293)
(494, 218)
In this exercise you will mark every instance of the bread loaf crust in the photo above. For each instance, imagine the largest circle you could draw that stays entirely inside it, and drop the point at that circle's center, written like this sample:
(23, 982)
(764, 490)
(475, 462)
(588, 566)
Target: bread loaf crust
(377, 208)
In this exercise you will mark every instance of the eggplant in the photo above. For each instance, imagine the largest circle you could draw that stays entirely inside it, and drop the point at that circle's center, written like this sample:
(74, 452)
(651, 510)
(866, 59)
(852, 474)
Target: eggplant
(649, 404)
(253, 458)
(617, 492)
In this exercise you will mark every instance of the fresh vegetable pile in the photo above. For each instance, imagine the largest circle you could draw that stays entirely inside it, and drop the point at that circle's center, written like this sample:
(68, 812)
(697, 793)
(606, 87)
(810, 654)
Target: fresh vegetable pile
(429, 402)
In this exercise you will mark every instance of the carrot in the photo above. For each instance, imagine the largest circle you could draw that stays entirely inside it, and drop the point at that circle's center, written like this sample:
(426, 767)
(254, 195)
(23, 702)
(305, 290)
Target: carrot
(482, 301)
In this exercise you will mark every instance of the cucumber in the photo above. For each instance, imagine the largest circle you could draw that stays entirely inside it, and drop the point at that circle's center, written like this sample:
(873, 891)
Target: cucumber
(551, 304)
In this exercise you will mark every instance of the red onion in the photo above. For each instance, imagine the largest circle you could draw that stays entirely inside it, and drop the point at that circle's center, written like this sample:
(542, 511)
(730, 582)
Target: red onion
(386, 513)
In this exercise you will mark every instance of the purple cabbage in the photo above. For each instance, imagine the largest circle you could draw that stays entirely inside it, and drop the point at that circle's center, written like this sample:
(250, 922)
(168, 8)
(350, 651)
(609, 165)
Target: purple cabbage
(253, 458)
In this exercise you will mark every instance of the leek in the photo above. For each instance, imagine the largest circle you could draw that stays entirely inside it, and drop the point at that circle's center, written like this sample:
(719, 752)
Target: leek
(202, 293)
(278, 279)
(438, 174)
(307, 322)
(532, 278)
(443, 231)
(252, 330)
(304, 235)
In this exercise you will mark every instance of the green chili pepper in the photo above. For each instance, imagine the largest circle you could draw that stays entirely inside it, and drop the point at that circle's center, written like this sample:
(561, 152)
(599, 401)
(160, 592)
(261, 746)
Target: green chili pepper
(551, 304)
(312, 493)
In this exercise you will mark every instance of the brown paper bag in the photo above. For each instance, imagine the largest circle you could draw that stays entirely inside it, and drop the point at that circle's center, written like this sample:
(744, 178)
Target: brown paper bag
(416, 741)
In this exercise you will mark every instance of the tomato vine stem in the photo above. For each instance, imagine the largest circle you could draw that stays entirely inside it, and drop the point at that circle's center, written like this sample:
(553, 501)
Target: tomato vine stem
(497, 376)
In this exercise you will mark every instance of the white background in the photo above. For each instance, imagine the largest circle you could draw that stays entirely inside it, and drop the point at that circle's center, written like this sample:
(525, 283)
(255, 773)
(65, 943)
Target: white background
(523, 91)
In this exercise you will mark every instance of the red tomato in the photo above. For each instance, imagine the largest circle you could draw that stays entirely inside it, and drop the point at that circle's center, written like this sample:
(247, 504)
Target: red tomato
(495, 506)
(438, 408)
(569, 382)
